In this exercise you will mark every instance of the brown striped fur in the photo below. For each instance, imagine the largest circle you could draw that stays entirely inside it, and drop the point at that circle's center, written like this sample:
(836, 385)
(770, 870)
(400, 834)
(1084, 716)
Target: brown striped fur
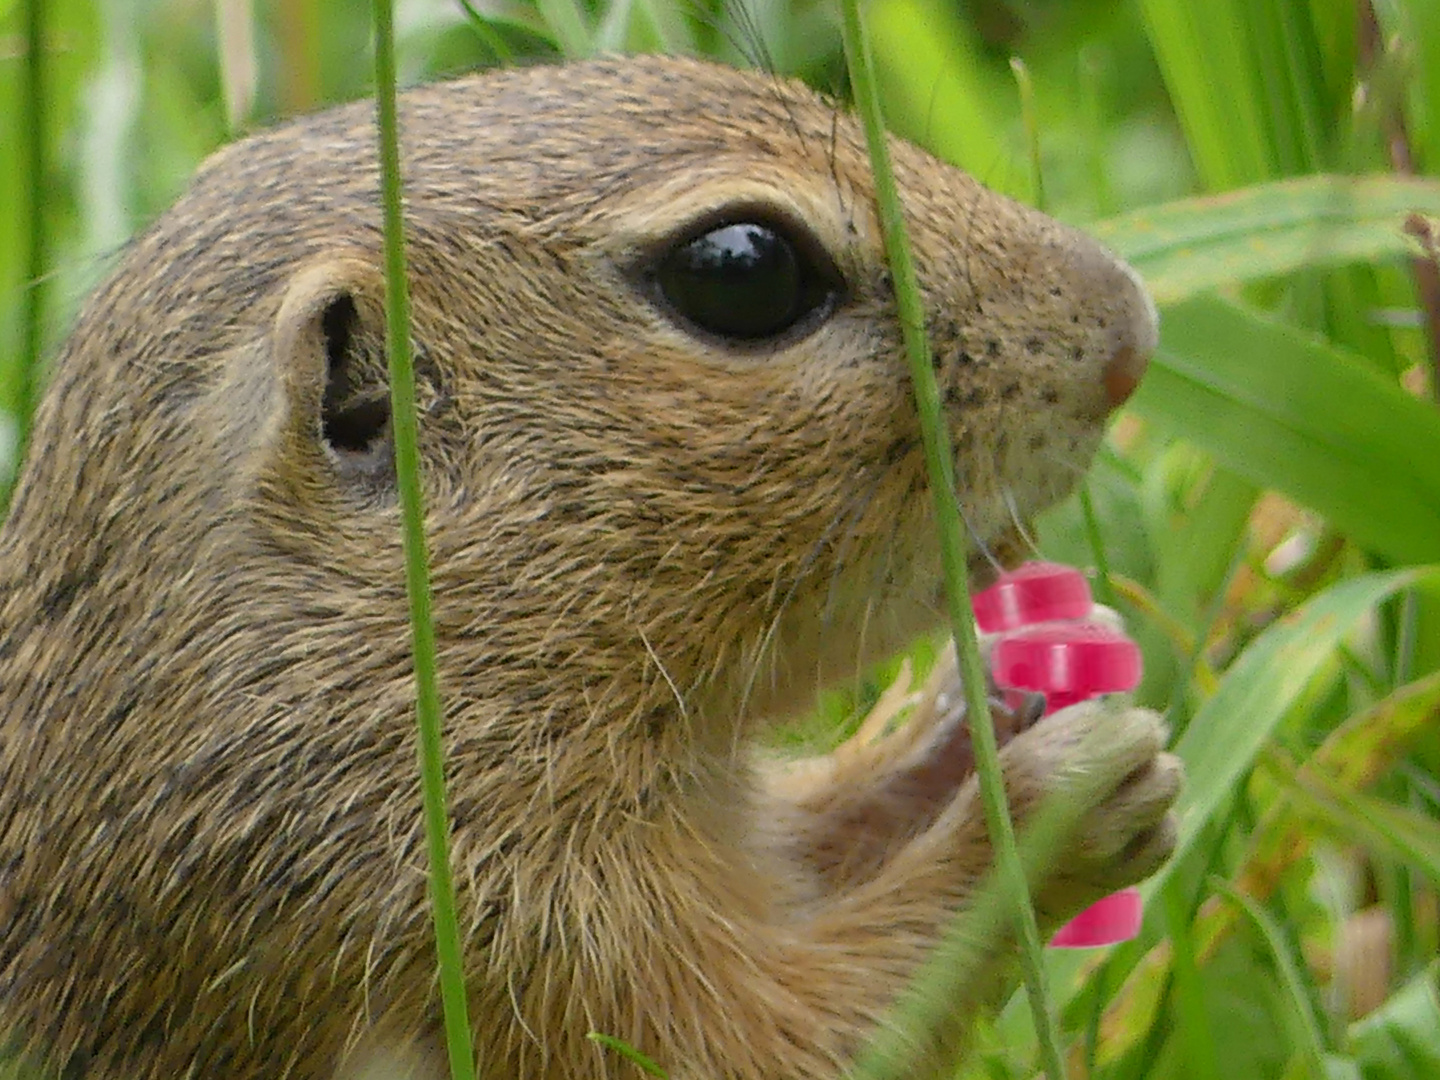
(646, 548)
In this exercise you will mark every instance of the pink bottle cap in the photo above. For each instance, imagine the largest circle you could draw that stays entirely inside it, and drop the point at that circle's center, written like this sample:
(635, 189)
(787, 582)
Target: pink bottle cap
(1036, 592)
(1105, 922)
(1067, 662)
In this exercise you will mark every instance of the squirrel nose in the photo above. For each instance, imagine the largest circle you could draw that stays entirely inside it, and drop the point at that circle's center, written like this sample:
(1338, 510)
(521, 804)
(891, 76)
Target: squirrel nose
(1122, 375)
(1136, 338)
(1120, 319)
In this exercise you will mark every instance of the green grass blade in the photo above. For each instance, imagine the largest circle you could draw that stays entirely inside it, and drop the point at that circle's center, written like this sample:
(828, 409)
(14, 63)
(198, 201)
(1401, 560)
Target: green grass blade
(939, 459)
(1369, 745)
(614, 27)
(1188, 576)
(1206, 56)
(1290, 69)
(1195, 1028)
(1223, 741)
(1311, 1031)
(641, 26)
(625, 1050)
(1287, 411)
(930, 1001)
(569, 25)
(1415, 24)
(1026, 87)
(417, 571)
(1396, 833)
(1373, 741)
(936, 88)
(1190, 246)
(484, 28)
(1401, 1039)
(36, 239)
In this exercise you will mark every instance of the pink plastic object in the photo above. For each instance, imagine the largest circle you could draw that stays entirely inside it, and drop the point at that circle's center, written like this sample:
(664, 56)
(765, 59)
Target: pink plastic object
(1036, 592)
(1048, 647)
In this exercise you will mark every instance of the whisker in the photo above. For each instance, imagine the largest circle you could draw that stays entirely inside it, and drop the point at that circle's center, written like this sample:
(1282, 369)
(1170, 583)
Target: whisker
(977, 538)
(743, 38)
(753, 47)
(1079, 468)
(1008, 496)
(748, 39)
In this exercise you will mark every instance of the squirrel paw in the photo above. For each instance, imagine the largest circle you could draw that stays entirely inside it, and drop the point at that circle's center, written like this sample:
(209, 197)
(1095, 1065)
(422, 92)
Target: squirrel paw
(927, 754)
(1110, 759)
(848, 812)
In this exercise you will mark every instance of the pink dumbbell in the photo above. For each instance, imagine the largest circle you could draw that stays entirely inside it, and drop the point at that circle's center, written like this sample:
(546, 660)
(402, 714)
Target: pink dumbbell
(1048, 645)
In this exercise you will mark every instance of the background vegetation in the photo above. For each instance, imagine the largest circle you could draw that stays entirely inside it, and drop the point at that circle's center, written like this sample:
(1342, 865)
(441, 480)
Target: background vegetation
(1269, 507)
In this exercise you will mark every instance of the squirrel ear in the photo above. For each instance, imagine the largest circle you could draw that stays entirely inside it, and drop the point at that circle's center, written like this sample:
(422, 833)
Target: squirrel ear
(330, 347)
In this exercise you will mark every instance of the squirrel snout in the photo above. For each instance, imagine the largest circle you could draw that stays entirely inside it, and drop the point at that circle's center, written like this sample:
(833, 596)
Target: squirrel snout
(1122, 375)
(1102, 324)
(1125, 316)
(1114, 323)
(1137, 333)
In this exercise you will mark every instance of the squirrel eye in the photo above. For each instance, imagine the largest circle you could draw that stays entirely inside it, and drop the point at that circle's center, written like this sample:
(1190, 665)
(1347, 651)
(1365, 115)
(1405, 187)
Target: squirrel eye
(743, 282)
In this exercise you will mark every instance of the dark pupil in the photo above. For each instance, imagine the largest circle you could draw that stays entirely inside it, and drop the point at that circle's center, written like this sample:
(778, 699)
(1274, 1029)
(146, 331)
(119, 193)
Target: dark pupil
(738, 281)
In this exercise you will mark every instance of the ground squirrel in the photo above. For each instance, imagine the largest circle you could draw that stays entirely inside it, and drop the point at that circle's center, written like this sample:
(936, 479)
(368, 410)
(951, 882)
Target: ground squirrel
(675, 485)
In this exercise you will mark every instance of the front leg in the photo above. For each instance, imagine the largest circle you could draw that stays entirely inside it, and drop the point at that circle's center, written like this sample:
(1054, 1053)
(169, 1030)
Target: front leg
(803, 986)
(686, 935)
(843, 814)
(1108, 761)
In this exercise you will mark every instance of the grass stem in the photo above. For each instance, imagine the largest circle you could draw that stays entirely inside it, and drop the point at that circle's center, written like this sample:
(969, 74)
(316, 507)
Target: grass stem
(939, 460)
(417, 572)
(36, 239)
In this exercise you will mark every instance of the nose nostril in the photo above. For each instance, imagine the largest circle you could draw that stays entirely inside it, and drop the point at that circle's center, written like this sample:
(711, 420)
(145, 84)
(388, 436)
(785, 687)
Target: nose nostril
(1122, 375)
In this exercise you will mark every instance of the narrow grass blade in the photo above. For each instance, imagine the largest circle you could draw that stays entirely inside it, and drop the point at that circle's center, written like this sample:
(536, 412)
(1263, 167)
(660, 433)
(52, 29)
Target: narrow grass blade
(642, 26)
(1028, 115)
(625, 1050)
(1287, 411)
(1191, 246)
(937, 90)
(1415, 25)
(1311, 1031)
(1206, 57)
(1223, 741)
(1397, 833)
(417, 571)
(1352, 758)
(1189, 993)
(1401, 1039)
(1369, 743)
(939, 459)
(939, 989)
(569, 25)
(484, 28)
